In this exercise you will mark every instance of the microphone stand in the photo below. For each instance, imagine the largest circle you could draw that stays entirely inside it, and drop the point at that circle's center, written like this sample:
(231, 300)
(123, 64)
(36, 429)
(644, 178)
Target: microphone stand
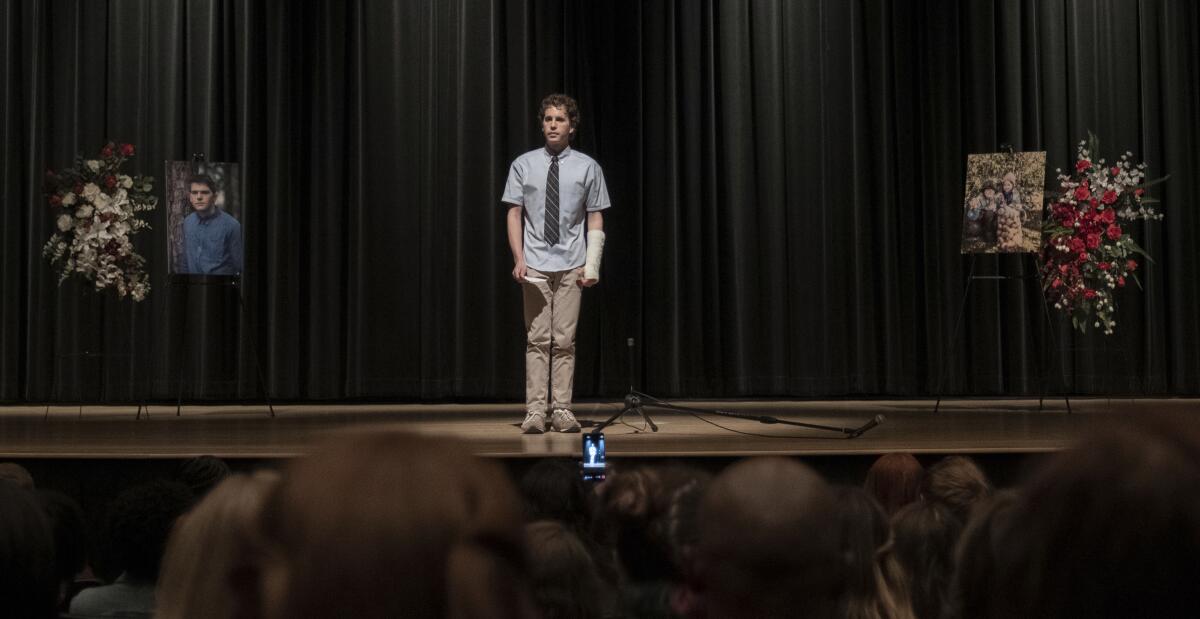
(636, 401)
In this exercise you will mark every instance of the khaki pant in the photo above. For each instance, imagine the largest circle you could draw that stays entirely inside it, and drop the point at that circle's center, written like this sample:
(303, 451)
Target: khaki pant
(551, 315)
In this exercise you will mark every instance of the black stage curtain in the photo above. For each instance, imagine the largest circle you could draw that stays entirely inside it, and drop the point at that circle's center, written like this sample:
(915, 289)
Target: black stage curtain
(787, 180)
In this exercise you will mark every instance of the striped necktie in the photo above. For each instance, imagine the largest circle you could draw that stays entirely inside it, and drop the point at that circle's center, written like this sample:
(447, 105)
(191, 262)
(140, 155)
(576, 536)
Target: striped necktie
(551, 229)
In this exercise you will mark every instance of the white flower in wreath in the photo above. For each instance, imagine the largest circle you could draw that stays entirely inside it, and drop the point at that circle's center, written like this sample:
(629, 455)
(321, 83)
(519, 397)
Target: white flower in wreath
(90, 190)
(68, 199)
(102, 202)
(126, 182)
(84, 211)
(64, 222)
(93, 165)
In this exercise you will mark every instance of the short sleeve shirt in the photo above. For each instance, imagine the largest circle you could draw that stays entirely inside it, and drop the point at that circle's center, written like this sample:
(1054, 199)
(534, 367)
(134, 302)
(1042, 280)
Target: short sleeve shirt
(581, 190)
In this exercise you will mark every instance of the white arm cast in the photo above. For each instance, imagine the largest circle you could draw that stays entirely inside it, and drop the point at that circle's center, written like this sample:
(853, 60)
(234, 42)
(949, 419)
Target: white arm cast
(595, 250)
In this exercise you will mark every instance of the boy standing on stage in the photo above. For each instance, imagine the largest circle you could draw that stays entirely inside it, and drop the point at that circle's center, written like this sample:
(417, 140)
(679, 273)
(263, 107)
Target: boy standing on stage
(551, 193)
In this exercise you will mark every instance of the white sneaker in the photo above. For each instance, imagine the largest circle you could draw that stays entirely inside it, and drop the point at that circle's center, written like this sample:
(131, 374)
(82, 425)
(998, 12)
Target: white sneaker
(563, 421)
(535, 423)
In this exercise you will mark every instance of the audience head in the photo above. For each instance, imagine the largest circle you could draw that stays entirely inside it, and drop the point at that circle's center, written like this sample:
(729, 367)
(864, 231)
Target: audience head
(768, 543)
(27, 584)
(874, 585)
(69, 529)
(895, 481)
(974, 591)
(648, 513)
(202, 473)
(139, 521)
(388, 524)
(1110, 528)
(958, 483)
(553, 489)
(15, 474)
(926, 534)
(565, 580)
(208, 547)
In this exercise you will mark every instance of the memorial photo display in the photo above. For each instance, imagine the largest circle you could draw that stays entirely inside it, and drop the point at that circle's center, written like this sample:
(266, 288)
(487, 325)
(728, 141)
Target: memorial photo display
(1002, 211)
(204, 218)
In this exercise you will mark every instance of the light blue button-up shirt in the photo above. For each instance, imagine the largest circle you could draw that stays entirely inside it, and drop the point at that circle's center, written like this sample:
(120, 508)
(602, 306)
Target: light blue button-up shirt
(581, 190)
(213, 244)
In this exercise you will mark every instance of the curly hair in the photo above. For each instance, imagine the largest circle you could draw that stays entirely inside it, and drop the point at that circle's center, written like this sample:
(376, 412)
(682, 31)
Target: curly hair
(566, 103)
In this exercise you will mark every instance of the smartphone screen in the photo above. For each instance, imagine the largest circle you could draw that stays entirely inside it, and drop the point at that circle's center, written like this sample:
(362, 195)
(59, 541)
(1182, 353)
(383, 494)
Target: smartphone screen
(593, 456)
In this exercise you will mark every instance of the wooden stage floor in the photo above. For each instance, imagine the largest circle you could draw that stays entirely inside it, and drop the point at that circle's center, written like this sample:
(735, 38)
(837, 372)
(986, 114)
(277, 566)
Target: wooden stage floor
(961, 426)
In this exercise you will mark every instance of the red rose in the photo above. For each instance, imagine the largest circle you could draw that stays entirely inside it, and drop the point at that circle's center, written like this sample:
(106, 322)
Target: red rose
(1131, 264)
(55, 200)
(1108, 216)
(127, 150)
(1082, 193)
(1113, 232)
(78, 188)
(110, 181)
(1082, 164)
(1093, 240)
(1076, 245)
(1089, 294)
(1120, 282)
(1081, 258)
(1110, 196)
(1114, 170)
(1138, 192)
(1063, 269)
(1056, 283)
(107, 151)
(1103, 266)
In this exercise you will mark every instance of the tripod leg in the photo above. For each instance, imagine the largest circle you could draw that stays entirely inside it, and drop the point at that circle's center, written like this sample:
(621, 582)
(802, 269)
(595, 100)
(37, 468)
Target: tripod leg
(179, 353)
(650, 422)
(962, 310)
(262, 381)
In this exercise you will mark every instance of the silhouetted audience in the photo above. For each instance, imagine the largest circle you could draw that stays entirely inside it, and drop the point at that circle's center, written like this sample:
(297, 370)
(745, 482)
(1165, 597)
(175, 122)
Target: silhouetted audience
(202, 473)
(71, 545)
(768, 544)
(208, 549)
(553, 489)
(647, 515)
(27, 584)
(139, 522)
(958, 483)
(565, 581)
(926, 534)
(17, 475)
(974, 590)
(1110, 528)
(388, 524)
(895, 481)
(875, 586)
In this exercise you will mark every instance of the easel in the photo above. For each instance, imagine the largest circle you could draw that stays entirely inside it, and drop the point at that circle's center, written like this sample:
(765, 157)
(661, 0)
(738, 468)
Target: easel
(962, 309)
(185, 282)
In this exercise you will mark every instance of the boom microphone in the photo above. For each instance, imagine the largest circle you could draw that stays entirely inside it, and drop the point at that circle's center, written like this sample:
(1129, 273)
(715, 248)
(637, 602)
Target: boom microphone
(867, 426)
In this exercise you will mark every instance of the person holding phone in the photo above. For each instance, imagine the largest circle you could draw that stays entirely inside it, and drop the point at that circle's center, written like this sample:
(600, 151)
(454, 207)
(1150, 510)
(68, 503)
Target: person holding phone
(555, 196)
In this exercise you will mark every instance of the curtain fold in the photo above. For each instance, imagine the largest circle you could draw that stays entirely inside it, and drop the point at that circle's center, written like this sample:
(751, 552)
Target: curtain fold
(786, 178)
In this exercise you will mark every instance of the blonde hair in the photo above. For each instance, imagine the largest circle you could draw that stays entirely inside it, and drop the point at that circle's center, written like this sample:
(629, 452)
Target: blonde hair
(207, 544)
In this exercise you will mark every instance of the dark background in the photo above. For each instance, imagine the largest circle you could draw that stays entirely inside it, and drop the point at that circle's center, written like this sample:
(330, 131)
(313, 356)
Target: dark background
(786, 179)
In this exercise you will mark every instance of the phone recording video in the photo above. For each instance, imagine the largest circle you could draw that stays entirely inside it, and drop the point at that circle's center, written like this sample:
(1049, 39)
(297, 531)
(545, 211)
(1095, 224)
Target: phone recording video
(593, 465)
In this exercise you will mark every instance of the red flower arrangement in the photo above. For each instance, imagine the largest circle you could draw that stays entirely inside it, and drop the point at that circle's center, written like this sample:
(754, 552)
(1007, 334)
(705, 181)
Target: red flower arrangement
(96, 211)
(1087, 254)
